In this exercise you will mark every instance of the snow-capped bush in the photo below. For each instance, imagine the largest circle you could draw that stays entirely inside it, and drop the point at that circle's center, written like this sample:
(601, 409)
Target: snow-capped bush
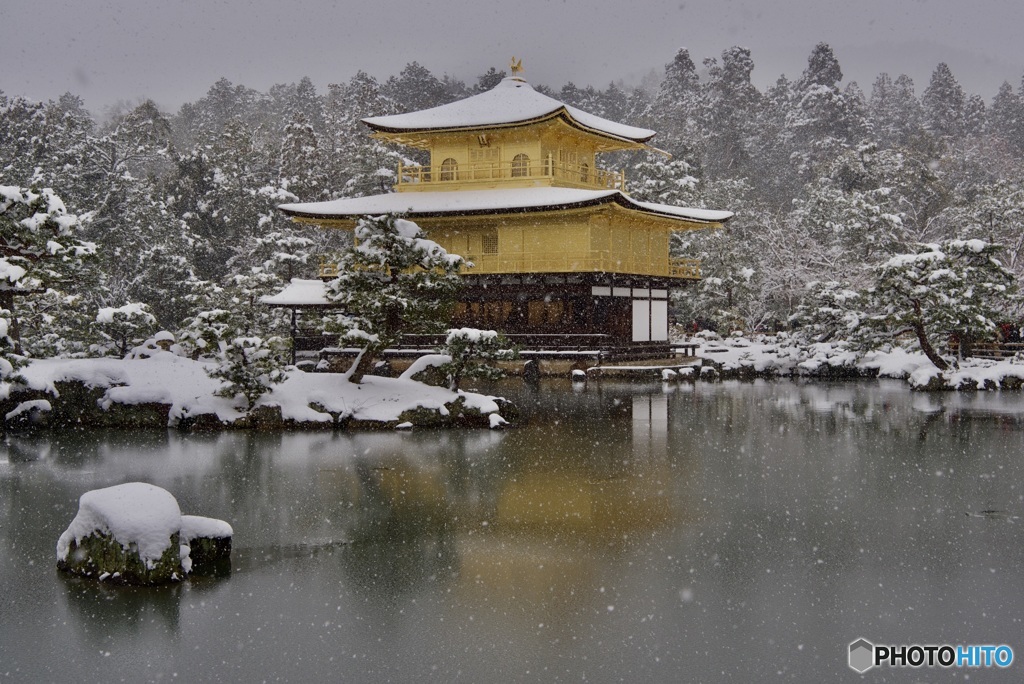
(119, 329)
(472, 352)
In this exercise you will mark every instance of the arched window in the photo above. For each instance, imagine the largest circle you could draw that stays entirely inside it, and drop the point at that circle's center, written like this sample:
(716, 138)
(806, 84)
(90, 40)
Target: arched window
(449, 169)
(584, 173)
(520, 165)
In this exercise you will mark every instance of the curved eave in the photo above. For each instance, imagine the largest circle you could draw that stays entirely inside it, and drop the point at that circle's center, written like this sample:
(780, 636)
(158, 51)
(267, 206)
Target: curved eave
(560, 113)
(615, 198)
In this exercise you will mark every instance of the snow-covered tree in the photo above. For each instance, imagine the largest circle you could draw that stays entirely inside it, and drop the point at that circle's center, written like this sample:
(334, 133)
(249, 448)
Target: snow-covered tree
(415, 88)
(56, 324)
(1006, 117)
(488, 80)
(122, 328)
(473, 353)
(825, 119)
(249, 365)
(393, 281)
(39, 246)
(895, 112)
(957, 288)
(729, 112)
(943, 103)
(828, 310)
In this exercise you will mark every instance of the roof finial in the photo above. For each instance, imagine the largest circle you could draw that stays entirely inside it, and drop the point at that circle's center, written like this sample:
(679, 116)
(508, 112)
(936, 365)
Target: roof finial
(517, 67)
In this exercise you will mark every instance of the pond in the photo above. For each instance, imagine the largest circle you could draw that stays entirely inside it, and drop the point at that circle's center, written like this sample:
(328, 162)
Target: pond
(625, 532)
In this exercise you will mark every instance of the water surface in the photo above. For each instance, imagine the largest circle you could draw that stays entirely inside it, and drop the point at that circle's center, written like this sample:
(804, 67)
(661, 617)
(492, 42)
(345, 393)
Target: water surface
(625, 532)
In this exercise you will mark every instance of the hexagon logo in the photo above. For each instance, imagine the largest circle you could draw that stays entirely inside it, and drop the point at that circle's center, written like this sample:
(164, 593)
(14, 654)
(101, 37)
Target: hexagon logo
(862, 654)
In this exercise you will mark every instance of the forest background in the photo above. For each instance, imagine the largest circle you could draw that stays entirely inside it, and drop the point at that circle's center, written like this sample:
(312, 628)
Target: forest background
(827, 182)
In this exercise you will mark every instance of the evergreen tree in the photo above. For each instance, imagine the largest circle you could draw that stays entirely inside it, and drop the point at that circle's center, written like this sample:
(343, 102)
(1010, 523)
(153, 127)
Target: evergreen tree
(415, 88)
(825, 119)
(974, 116)
(39, 246)
(473, 354)
(954, 288)
(393, 281)
(943, 103)
(249, 365)
(302, 170)
(488, 80)
(1006, 117)
(121, 328)
(730, 109)
(895, 113)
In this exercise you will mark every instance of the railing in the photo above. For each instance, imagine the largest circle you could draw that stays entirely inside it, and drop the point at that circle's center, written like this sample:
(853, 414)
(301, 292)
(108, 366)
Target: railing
(531, 341)
(990, 350)
(328, 268)
(684, 268)
(575, 174)
(547, 262)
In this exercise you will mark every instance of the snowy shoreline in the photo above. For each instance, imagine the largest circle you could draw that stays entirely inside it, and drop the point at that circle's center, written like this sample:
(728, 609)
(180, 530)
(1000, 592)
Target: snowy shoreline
(779, 356)
(167, 390)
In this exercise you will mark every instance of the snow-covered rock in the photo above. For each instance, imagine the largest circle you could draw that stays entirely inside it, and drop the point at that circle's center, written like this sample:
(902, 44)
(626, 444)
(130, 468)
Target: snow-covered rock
(209, 544)
(129, 532)
(135, 533)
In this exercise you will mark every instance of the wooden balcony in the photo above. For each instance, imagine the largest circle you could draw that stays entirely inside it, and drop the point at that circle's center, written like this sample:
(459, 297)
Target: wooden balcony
(546, 262)
(569, 175)
(592, 262)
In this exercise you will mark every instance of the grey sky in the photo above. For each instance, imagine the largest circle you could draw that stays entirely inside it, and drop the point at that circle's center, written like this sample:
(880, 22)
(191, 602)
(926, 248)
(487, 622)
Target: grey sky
(173, 50)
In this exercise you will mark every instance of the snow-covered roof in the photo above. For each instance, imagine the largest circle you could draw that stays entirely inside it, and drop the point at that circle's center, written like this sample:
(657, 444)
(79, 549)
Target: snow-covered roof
(300, 292)
(469, 202)
(512, 101)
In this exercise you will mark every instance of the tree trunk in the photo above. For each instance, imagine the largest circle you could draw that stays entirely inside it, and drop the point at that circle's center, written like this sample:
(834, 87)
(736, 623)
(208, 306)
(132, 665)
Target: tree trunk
(928, 349)
(363, 363)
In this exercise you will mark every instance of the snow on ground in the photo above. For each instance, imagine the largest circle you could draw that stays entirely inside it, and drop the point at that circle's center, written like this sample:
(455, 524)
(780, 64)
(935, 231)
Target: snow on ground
(164, 378)
(183, 384)
(380, 399)
(779, 355)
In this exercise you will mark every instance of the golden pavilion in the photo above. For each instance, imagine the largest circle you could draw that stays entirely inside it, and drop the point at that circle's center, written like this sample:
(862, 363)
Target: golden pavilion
(562, 257)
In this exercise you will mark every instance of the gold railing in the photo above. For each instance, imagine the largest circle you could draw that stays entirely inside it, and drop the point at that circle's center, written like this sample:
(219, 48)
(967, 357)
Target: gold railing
(328, 268)
(548, 262)
(576, 174)
(545, 262)
(684, 268)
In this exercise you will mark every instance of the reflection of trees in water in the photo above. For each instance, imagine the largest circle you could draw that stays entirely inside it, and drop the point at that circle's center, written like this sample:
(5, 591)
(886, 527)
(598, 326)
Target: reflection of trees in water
(798, 480)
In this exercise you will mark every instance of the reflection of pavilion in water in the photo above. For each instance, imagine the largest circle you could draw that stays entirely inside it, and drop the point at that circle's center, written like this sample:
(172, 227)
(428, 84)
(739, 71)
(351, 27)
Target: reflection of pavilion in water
(511, 527)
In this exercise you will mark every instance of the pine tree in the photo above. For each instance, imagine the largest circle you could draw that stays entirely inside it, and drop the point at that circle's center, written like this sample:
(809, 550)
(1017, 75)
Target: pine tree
(302, 170)
(39, 246)
(121, 328)
(954, 288)
(393, 281)
(825, 119)
(473, 354)
(249, 365)
(415, 88)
